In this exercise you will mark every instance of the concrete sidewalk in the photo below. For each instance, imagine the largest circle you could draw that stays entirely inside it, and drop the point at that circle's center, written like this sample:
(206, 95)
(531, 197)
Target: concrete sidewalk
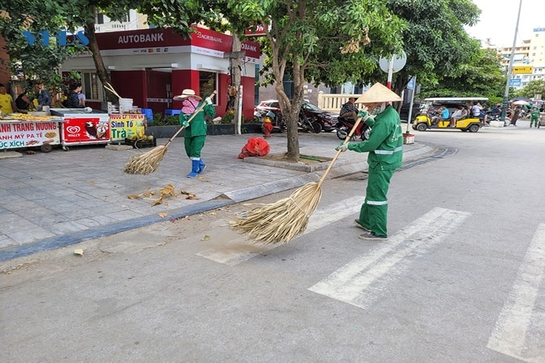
(65, 197)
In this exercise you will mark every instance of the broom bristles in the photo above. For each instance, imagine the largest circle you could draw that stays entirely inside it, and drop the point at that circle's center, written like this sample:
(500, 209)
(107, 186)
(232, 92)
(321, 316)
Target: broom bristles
(147, 162)
(283, 220)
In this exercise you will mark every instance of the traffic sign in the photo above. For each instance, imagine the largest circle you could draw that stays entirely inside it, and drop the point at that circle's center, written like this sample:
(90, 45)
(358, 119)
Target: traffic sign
(522, 69)
(397, 64)
(410, 85)
(515, 82)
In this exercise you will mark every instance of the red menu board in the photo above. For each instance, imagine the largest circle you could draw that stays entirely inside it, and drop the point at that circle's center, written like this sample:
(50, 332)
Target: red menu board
(85, 130)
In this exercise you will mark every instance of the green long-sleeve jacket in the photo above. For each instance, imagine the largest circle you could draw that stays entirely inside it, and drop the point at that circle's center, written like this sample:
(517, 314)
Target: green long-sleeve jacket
(197, 126)
(385, 143)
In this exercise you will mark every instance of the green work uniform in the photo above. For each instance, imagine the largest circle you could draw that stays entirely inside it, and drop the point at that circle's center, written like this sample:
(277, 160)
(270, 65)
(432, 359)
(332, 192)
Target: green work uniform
(534, 118)
(195, 132)
(385, 147)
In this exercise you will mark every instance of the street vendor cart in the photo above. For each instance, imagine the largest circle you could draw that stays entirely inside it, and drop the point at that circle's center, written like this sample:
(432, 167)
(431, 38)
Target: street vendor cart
(20, 130)
(83, 126)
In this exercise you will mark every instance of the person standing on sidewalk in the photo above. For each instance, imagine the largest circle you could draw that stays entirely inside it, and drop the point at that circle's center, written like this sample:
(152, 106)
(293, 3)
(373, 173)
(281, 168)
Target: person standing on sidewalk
(7, 105)
(534, 117)
(385, 147)
(195, 131)
(515, 116)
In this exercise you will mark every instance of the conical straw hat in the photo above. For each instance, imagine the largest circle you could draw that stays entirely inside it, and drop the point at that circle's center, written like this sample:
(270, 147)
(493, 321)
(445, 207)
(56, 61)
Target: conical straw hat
(378, 93)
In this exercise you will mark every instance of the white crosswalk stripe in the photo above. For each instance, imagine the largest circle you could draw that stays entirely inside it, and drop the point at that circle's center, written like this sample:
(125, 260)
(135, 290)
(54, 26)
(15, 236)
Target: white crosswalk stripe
(512, 332)
(320, 218)
(350, 283)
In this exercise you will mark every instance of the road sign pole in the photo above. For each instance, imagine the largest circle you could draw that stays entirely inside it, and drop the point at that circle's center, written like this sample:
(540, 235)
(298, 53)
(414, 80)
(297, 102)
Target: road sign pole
(509, 69)
(413, 90)
(390, 72)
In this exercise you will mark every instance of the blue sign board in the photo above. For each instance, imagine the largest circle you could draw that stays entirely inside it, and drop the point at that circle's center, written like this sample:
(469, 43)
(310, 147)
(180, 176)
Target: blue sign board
(63, 38)
(410, 85)
(515, 82)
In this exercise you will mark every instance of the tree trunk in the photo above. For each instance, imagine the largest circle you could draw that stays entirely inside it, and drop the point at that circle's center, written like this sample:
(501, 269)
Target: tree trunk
(102, 73)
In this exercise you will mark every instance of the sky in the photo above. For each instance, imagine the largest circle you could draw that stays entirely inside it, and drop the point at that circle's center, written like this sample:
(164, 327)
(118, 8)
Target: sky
(498, 20)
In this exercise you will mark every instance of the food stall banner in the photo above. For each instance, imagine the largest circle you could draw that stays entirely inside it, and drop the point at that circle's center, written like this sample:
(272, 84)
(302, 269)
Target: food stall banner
(127, 126)
(85, 130)
(25, 134)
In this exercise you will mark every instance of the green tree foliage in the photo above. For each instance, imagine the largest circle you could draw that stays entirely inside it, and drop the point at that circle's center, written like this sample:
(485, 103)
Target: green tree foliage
(36, 61)
(482, 76)
(435, 41)
(536, 87)
(327, 41)
(303, 40)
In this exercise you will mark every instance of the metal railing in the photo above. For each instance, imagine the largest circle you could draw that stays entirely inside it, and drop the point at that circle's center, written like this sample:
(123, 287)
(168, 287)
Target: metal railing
(333, 102)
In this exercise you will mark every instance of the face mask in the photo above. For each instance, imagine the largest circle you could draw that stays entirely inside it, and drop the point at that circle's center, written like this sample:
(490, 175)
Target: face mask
(189, 106)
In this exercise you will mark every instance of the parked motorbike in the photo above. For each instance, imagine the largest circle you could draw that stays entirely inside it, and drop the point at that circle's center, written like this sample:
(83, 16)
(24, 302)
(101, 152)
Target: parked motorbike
(344, 125)
(307, 124)
(497, 117)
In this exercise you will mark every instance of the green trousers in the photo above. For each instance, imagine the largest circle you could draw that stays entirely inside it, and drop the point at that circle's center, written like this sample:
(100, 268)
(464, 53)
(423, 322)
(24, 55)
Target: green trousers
(374, 210)
(534, 122)
(193, 146)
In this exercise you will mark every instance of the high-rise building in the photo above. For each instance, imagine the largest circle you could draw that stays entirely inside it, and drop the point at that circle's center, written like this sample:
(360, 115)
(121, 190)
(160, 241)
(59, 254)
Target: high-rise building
(530, 53)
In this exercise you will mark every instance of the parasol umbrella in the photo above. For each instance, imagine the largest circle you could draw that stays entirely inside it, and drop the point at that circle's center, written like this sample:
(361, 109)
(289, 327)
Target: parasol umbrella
(520, 98)
(521, 103)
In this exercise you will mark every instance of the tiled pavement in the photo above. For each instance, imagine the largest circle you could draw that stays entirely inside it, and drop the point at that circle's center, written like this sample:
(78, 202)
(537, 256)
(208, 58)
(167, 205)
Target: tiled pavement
(53, 199)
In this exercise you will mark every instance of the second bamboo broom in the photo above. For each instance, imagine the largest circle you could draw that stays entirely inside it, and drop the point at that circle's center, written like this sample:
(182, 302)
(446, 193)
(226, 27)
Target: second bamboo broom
(148, 162)
(280, 222)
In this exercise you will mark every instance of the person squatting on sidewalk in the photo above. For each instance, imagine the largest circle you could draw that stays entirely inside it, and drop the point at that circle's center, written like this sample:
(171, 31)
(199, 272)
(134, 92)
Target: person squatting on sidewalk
(195, 131)
(385, 147)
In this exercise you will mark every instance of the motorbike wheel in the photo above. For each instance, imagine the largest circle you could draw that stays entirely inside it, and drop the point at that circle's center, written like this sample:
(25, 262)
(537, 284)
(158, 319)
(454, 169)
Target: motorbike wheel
(365, 134)
(342, 132)
(317, 127)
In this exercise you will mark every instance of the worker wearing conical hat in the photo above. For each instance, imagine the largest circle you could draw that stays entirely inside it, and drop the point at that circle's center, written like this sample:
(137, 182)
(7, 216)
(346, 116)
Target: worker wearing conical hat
(195, 131)
(385, 147)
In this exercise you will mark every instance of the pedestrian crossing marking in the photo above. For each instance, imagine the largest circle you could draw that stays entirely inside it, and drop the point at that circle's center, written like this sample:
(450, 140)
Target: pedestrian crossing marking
(320, 218)
(511, 332)
(350, 283)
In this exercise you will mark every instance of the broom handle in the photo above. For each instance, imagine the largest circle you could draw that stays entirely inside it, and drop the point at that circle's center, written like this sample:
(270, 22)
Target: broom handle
(339, 151)
(191, 118)
(109, 87)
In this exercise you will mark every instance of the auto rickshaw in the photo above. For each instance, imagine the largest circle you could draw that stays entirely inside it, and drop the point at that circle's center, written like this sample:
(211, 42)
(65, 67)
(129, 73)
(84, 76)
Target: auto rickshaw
(430, 119)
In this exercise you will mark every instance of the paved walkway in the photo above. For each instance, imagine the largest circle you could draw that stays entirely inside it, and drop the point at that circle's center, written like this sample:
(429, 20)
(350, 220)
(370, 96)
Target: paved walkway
(66, 197)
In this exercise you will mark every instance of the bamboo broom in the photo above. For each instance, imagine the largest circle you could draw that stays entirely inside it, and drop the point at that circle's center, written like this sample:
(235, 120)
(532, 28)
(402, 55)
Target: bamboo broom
(283, 220)
(148, 162)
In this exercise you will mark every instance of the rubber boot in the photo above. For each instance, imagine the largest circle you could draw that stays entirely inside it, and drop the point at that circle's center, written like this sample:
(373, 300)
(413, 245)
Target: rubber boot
(194, 169)
(202, 166)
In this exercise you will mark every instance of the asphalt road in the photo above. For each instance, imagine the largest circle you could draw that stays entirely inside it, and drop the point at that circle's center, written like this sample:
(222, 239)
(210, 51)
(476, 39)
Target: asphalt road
(459, 280)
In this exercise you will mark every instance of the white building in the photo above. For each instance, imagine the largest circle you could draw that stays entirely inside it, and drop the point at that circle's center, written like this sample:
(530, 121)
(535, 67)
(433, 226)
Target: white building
(530, 53)
(132, 21)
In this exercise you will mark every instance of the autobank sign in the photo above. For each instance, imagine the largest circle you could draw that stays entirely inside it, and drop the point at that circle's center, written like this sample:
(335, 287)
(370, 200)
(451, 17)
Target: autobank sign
(63, 38)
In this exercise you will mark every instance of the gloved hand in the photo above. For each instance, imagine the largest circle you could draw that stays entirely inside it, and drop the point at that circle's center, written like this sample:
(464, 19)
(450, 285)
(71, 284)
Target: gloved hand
(363, 114)
(183, 120)
(342, 147)
(208, 100)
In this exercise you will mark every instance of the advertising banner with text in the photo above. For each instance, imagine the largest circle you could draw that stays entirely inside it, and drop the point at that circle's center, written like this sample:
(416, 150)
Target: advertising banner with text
(25, 134)
(126, 126)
